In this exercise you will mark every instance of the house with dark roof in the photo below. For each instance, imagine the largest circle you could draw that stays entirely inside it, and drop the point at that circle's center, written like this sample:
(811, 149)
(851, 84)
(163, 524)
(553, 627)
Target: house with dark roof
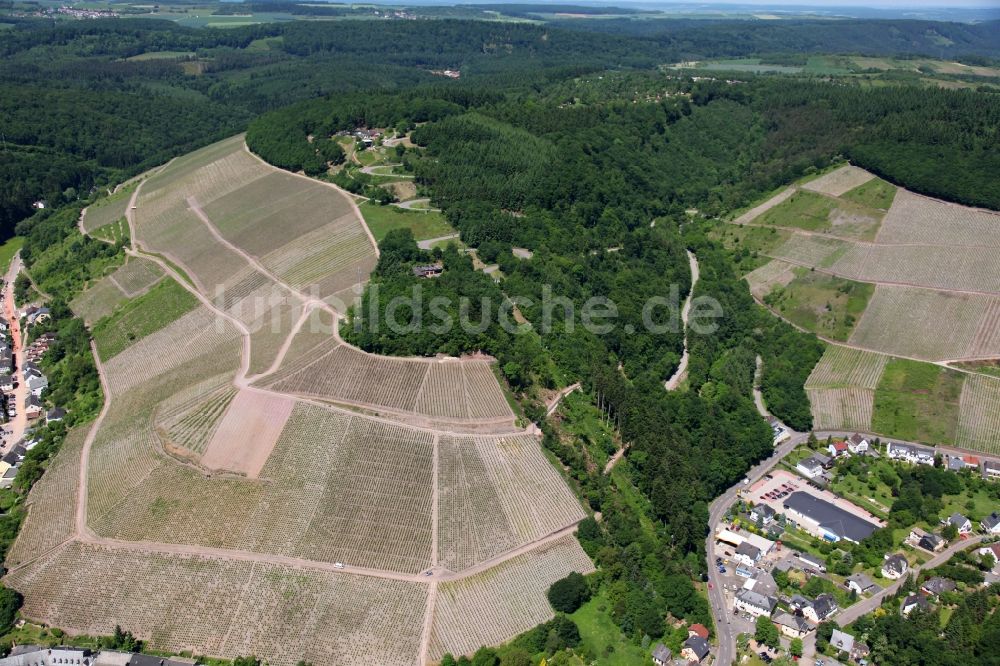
(661, 654)
(762, 513)
(991, 470)
(894, 566)
(811, 561)
(821, 608)
(857, 444)
(55, 414)
(754, 603)
(860, 583)
(910, 453)
(914, 602)
(961, 523)
(809, 468)
(937, 586)
(34, 655)
(747, 553)
(695, 648)
(931, 542)
(793, 626)
(824, 519)
(841, 641)
(991, 523)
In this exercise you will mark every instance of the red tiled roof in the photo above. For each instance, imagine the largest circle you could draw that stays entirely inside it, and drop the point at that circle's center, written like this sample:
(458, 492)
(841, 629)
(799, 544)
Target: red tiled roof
(700, 630)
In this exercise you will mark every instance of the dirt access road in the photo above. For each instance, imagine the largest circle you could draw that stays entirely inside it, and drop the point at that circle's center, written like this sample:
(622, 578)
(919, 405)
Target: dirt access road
(672, 383)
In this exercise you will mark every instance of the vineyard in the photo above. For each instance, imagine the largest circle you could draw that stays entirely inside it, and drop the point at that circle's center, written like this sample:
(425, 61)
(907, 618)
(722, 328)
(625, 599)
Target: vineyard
(841, 409)
(448, 390)
(925, 324)
(501, 602)
(106, 211)
(843, 367)
(98, 300)
(839, 181)
(51, 504)
(147, 314)
(136, 276)
(759, 210)
(230, 607)
(917, 219)
(775, 273)
(979, 415)
(249, 430)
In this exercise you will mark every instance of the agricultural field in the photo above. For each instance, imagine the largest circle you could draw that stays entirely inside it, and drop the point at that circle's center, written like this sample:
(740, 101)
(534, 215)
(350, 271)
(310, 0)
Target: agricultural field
(231, 607)
(115, 232)
(918, 219)
(98, 300)
(817, 212)
(826, 305)
(156, 309)
(930, 325)
(918, 402)
(508, 599)
(136, 276)
(839, 181)
(51, 504)
(979, 414)
(841, 388)
(106, 211)
(876, 194)
(424, 224)
(432, 388)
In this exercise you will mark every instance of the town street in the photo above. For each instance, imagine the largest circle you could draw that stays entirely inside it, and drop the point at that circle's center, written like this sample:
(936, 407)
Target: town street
(17, 425)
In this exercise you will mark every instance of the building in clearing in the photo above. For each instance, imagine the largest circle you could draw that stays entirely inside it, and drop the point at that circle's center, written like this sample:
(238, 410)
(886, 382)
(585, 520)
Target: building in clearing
(661, 655)
(894, 566)
(961, 523)
(860, 583)
(825, 520)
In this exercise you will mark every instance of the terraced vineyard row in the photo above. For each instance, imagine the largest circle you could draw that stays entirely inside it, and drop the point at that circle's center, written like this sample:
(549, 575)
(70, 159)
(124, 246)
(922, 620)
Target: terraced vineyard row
(194, 429)
(342, 373)
(98, 300)
(843, 367)
(496, 605)
(839, 181)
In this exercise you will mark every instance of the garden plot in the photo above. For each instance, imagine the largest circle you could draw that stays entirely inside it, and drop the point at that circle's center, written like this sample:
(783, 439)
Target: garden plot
(843, 367)
(136, 276)
(98, 300)
(492, 607)
(924, 324)
(917, 219)
(244, 438)
(497, 493)
(839, 181)
(979, 415)
(230, 607)
(51, 504)
(841, 409)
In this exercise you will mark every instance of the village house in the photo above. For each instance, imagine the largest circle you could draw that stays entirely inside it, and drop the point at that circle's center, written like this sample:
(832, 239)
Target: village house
(762, 514)
(33, 655)
(931, 542)
(958, 463)
(6, 383)
(961, 523)
(55, 415)
(753, 603)
(812, 562)
(857, 444)
(809, 468)
(428, 271)
(695, 648)
(4, 325)
(991, 470)
(747, 553)
(661, 655)
(860, 583)
(838, 449)
(821, 608)
(914, 602)
(698, 630)
(992, 550)
(36, 384)
(937, 586)
(842, 642)
(894, 566)
(793, 626)
(991, 523)
(32, 407)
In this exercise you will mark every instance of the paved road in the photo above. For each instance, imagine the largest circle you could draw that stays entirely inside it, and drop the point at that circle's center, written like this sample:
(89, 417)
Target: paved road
(19, 423)
(428, 243)
(412, 203)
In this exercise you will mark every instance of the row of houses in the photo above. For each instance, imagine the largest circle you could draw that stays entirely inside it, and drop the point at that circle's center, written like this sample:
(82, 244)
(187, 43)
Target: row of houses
(34, 655)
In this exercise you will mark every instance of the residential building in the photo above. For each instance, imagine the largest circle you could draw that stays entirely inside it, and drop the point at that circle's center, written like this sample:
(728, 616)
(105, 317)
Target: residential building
(824, 519)
(961, 523)
(753, 603)
(32, 407)
(763, 583)
(993, 550)
(825, 461)
(149, 660)
(910, 453)
(842, 642)
(991, 523)
(33, 655)
(894, 566)
(991, 470)
(838, 449)
(747, 554)
(857, 444)
(809, 468)
(821, 608)
(860, 583)
(931, 542)
(762, 514)
(6, 383)
(798, 603)
(55, 414)
(37, 384)
(695, 648)
(661, 655)
(698, 630)
(937, 586)
(914, 602)
(430, 270)
(793, 626)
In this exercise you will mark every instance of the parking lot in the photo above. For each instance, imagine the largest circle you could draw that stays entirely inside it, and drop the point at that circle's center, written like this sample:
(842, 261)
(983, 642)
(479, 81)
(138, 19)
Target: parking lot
(769, 491)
